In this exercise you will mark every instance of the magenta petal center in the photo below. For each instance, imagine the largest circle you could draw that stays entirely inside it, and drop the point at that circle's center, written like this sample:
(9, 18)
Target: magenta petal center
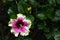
(19, 23)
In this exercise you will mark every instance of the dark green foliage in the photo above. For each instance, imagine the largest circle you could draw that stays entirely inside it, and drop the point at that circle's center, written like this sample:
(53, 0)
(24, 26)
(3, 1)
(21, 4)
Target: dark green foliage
(44, 14)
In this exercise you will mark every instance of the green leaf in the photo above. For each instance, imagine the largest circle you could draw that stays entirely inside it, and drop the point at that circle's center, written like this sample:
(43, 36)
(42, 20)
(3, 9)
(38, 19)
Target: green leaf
(12, 14)
(23, 38)
(10, 0)
(57, 16)
(30, 17)
(27, 39)
(48, 35)
(46, 29)
(57, 36)
(52, 2)
(41, 26)
(4, 1)
(49, 12)
(41, 16)
(58, 1)
(22, 6)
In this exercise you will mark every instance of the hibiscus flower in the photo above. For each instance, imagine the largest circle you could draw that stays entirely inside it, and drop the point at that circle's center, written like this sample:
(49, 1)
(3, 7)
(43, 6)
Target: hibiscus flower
(21, 25)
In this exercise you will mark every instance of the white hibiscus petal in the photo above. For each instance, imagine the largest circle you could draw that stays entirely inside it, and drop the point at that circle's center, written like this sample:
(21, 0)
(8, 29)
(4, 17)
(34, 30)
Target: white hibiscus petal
(28, 21)
(16, 34)
(20, 15)
(9, 24)
(12, 30)
(27, 29)
(11, 20)
(24, 33)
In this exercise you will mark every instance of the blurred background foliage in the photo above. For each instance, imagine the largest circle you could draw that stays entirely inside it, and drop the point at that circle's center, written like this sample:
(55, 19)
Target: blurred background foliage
(44, 14)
